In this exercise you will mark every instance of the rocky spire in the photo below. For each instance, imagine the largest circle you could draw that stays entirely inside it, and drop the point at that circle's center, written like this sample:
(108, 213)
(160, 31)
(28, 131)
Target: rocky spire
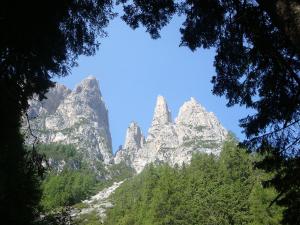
(134, 137)
(134, 141)
(191, 112)
(82, 119)
(194, 121)
(88, 86)
(86, 100)
(161, 131)
(162, 114)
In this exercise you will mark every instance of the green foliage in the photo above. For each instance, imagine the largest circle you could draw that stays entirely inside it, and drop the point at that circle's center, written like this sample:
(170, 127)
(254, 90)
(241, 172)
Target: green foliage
(201, 143)
(59, 216)
(120, 171)
(260, 206)
(116, 173)
(72, 185)
(88, 219)
(58, 151)
(66, 188)
(210, 191)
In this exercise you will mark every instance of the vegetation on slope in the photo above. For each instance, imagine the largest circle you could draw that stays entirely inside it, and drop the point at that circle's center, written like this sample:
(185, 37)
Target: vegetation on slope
(75, 180)
(211, 190)
(67, 188)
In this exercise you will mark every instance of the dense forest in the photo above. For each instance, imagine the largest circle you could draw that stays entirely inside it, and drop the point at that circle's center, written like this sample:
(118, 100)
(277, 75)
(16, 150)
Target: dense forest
(212, 190)
(224, 189)
(69, 180)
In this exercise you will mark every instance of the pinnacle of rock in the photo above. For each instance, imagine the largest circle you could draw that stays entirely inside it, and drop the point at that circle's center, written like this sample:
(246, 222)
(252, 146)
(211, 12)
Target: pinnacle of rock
(191, 112)
(86, 102)
(89, 85)
(134, 137)
(162, 114)
(77, 117)
(194, 122)
(134, 141)
(195, 130)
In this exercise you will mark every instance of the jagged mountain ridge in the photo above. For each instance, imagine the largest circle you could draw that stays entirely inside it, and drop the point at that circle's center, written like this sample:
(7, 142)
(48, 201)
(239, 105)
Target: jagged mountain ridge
(77, 117)
(194, 130)
(80, 117)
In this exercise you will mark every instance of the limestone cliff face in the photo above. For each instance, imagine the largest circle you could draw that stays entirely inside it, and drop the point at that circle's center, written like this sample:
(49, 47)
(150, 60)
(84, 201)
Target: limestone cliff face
(162, 130)
(194, 130)
(77, 117)
(195, 123)
(162, 115)
(134, 141)
(80, 118)
(134, 137)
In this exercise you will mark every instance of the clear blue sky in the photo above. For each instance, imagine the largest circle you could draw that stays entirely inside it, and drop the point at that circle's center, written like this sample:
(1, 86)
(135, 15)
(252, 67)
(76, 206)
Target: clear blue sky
(132, 69)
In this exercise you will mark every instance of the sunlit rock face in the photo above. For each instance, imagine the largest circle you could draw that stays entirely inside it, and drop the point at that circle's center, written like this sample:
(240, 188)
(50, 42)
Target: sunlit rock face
(162, 115)
(194, 130)
(195, 123)
(80, 117)
(77, 117)
(134, 137)
(134, 141)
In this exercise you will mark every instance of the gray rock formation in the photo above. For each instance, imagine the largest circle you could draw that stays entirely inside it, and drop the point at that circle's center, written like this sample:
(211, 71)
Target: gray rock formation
(134, 141)
(162, 115)
(77, 117)
(80, 117)
(134, 137)
(195, 123)
(98, 203)
(48, 106)
(194, 130)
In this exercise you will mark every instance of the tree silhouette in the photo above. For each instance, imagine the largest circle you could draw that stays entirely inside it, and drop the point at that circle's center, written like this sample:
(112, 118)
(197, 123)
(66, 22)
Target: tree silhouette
(39, 40)
(257, 65)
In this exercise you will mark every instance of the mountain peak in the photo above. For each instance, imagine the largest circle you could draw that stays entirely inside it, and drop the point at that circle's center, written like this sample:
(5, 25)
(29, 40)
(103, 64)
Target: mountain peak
(193, 102)
(134, 137)
(90, 77)
(89, 84)
(190, 112)
(77, 117)
(162, 114)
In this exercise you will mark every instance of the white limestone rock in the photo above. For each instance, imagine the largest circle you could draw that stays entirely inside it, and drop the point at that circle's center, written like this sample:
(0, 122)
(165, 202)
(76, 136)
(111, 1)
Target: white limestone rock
(98, 203)
(80, 117)
(162, 131)
(133, 142)
(162, 115)
(195, 130)
(194, 122)
(77, 117)
(134, 137)
(49, 105)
